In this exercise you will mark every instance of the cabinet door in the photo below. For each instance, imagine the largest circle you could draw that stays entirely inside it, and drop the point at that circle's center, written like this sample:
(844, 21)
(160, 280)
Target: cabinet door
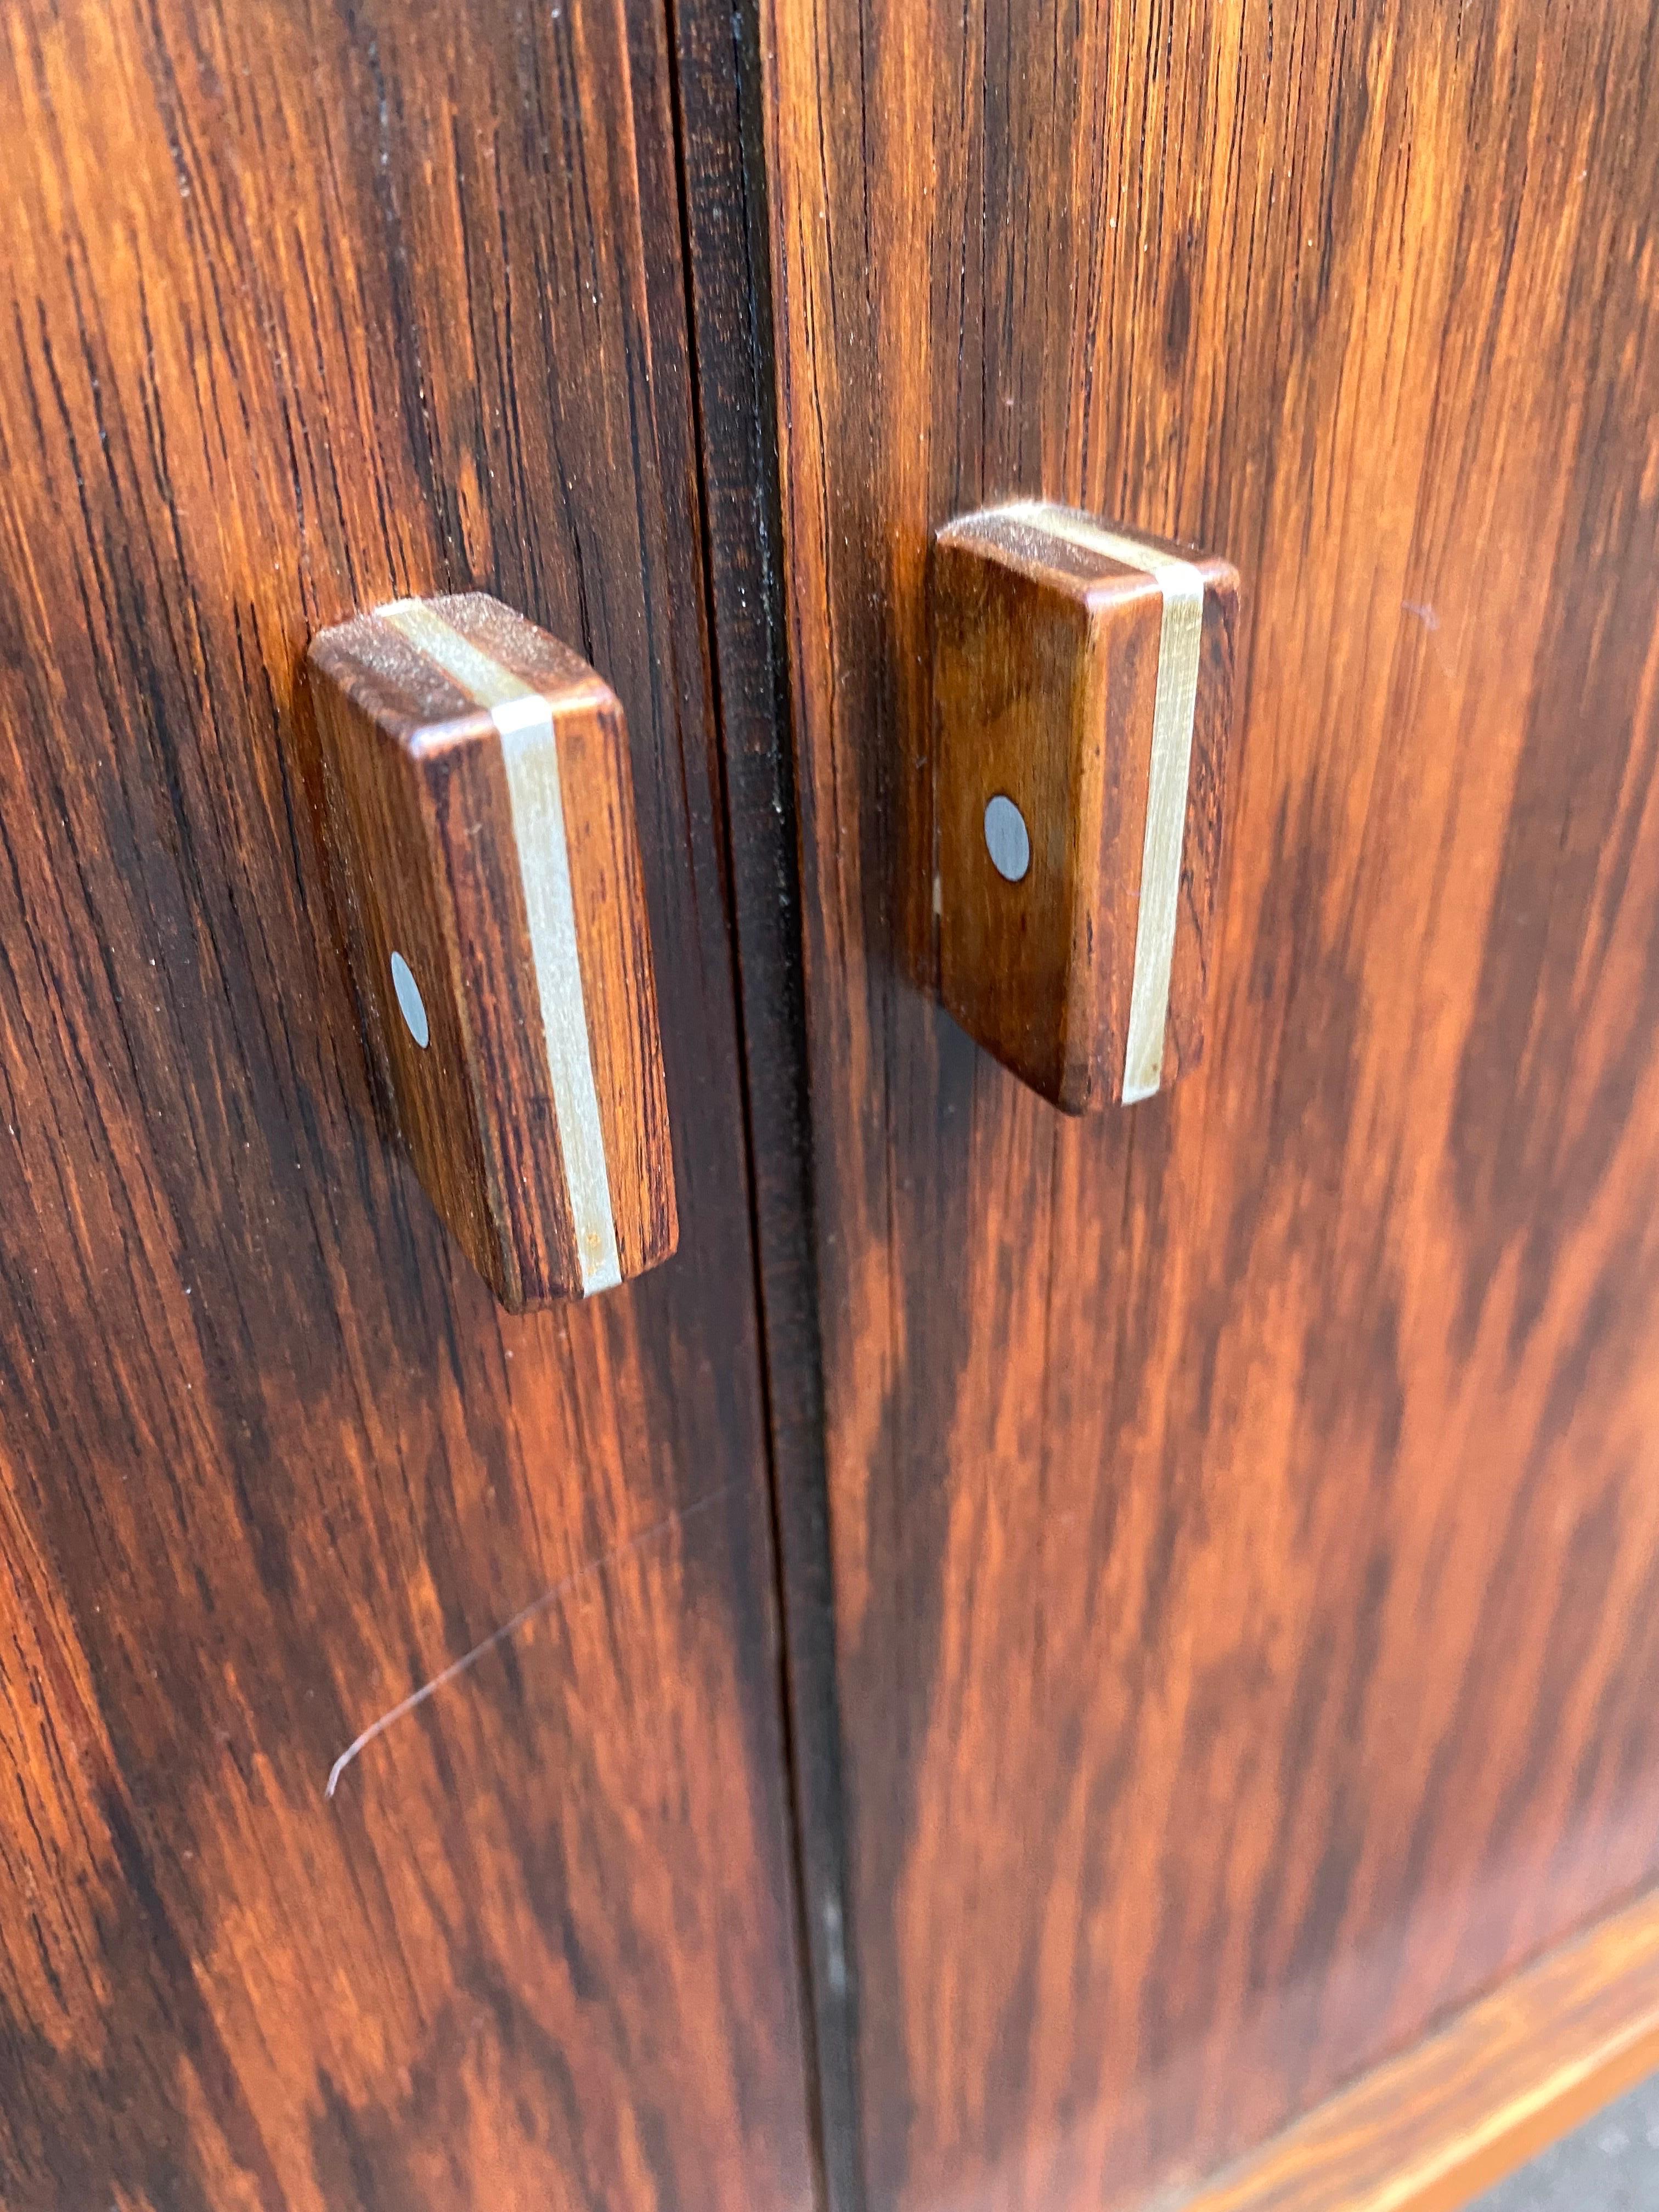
(306, 307)
(1242, 1525)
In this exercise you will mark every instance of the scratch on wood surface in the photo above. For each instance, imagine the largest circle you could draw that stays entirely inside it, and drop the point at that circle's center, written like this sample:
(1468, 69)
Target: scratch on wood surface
(526, 1613)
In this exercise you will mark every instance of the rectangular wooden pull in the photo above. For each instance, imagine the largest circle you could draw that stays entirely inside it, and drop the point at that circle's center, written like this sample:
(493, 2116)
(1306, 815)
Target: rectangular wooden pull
(1082, 703)
(481, 810)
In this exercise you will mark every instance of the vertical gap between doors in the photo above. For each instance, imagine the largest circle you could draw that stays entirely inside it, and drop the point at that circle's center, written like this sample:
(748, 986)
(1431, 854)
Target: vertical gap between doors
(716, 90)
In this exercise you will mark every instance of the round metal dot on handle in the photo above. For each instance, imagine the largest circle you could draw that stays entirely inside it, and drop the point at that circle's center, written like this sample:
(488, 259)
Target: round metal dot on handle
(1006, 839)
(410, 1000)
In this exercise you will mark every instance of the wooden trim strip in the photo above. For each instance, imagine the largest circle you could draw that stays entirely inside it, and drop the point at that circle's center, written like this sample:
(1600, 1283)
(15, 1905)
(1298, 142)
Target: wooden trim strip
(530, 750)
(1181, 586)
(1429, 2130)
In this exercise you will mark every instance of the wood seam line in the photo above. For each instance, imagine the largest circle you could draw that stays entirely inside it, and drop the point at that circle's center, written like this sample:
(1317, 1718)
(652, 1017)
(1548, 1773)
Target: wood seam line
(1440, 2161)
(1181, 632)
(524, 721)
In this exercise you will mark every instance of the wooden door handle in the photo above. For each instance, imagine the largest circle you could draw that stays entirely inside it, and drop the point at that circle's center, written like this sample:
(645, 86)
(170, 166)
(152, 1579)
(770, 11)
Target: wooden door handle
(481, 818)
(1082, 707)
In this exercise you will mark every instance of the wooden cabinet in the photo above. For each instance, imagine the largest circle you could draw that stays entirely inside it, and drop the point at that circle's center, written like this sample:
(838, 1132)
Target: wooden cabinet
(307, 309)
(1038, 1662)
(1240, 1513)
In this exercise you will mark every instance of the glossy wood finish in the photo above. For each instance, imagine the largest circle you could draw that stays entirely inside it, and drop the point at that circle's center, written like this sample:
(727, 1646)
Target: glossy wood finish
(307, 309)
(720, 105)
(481, 818)
(1245, 1525)
(1084, 678)
(1428, 2130)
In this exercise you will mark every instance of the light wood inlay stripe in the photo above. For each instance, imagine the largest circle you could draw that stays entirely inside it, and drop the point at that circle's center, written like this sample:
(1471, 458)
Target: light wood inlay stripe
(1175, 700)
(530, 750)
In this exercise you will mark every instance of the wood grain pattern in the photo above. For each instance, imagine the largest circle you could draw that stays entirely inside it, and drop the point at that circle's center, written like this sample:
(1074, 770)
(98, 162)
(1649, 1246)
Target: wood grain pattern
(1427, 2130)
(534, 1109)
(1245, 1542)
(1058, 686)
(305, 309)
(720, 108)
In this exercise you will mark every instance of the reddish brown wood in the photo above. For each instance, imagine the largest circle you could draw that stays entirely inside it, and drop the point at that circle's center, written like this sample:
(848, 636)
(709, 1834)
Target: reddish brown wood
(1046, 659)
(718, 90)
(307, 309)
(437, 869)
(1245, 1543)
(1439, 2122)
